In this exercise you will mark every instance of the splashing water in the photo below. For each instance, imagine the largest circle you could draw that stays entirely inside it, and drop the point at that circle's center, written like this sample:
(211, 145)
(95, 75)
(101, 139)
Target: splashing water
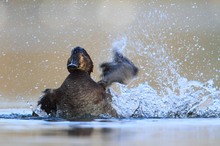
(176, 97)
(120, 44)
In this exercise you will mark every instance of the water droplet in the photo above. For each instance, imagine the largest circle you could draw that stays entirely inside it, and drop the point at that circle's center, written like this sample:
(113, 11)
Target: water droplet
(3, 54)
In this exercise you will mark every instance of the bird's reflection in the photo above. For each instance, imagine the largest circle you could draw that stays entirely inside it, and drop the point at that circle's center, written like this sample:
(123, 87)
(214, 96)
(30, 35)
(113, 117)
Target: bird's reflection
(87, 131)
(80, 131)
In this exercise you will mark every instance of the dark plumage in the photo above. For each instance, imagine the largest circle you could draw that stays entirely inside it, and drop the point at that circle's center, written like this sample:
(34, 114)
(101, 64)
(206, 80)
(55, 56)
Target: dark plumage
(121, 69)
(80, 95)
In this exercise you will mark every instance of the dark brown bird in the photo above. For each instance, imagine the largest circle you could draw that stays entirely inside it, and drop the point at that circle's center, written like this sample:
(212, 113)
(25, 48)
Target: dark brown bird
(79, 95)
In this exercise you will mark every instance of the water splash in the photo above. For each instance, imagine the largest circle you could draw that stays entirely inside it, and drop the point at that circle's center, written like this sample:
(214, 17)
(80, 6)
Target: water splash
(195, 100)
(166, 62)
(176, 97)
(120, 44)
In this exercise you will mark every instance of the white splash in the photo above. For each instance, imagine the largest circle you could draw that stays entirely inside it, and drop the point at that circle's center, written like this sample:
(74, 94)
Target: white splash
(119, 45)
(178, 97)
(195, 100)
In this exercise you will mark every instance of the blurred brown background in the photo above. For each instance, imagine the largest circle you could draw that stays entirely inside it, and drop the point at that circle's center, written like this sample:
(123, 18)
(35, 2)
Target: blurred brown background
(166, 39)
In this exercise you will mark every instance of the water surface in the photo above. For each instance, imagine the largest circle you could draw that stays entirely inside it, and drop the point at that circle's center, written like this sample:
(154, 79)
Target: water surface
(159, 132)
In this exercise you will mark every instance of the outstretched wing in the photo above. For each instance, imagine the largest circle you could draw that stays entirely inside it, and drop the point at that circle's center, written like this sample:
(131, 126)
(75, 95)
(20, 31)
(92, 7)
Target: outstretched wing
(47, 102)
(121, 69)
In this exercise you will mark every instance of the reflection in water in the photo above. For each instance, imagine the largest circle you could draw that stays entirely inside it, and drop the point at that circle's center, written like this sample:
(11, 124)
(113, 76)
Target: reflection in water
(80, 131)
(86, 132)
(72, 132)
(160, 132)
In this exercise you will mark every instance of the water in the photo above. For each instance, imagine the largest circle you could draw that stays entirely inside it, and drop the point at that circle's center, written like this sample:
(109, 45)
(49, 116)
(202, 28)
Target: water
(172, 132)
(174, 44)
(196, 100)
(177, 96)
